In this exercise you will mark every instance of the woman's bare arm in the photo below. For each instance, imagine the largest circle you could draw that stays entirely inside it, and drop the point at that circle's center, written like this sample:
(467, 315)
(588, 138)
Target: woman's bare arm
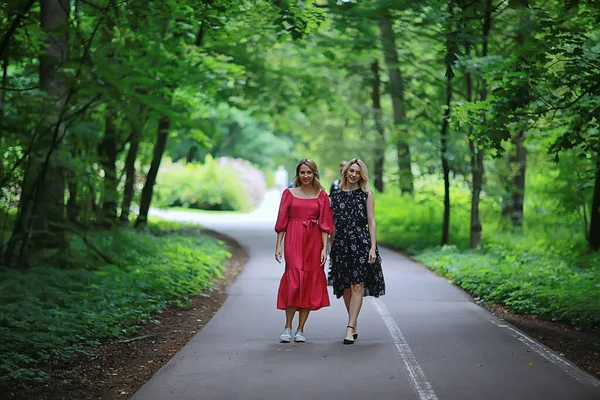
(372, 226)
(278, 255)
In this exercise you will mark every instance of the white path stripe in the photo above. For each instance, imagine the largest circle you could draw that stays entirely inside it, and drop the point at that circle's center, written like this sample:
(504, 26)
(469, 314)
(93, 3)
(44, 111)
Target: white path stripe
(410, 364)
(549, 355)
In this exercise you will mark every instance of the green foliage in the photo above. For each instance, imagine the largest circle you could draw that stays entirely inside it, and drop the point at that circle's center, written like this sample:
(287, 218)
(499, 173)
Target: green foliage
(530, 284)
(273, 82)
(49, 313)
(218, 184)
(413, 223)
(543, 269)
(235, 133)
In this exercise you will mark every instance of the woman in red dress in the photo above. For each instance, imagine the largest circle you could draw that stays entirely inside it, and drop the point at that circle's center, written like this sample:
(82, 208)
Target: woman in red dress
(305, 221)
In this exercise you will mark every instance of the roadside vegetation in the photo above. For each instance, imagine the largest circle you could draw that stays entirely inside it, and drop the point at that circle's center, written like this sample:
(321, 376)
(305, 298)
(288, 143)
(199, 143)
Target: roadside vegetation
(50, 313)
(478, 120)
(544, 269)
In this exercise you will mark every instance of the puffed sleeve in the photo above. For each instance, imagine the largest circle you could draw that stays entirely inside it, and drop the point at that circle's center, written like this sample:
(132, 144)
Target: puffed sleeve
(325, 213)
(284, 211)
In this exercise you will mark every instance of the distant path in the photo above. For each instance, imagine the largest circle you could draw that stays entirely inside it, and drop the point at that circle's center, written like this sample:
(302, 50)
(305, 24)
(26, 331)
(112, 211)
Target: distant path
(424, 340)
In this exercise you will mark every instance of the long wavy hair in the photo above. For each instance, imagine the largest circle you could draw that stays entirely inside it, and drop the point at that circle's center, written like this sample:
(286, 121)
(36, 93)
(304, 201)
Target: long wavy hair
(313, 166)
(364, 174)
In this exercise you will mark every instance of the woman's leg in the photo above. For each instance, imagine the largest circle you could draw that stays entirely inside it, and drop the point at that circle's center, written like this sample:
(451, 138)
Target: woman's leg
(347, 296)
(303, 316)
(289, 316)
(354, 307)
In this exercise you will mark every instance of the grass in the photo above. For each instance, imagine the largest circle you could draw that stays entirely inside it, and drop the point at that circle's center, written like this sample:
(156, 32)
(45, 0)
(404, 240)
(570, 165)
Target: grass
(49, 313)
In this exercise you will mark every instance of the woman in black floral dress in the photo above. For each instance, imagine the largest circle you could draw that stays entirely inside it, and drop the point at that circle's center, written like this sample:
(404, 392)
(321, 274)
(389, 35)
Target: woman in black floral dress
(355, 261)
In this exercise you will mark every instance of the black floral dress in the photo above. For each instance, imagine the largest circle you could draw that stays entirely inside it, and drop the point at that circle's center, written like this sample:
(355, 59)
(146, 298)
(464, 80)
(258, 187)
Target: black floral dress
(351, 244)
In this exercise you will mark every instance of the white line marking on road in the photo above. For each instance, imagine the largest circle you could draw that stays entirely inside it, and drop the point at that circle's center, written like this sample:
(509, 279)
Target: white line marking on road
(411, 366)
(549, 355)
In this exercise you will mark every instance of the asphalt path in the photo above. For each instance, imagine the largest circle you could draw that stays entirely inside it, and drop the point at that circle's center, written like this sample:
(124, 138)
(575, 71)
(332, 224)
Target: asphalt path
(425, 339)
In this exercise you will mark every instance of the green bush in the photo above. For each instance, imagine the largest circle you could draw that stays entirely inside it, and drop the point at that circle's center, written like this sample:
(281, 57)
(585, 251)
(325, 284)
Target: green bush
(414, 224)
(218, 184)
(52, 313)
(543, 269)
(526, 283)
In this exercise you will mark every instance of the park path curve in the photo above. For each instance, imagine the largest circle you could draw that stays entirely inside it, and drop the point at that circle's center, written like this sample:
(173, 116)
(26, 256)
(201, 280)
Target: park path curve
(424, 340)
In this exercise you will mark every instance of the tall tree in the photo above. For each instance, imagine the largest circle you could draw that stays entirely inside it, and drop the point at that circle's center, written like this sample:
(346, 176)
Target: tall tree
(377, 117)
(108, 151)
(128, 190)
(476, 142)
(44, 175)
(518, 162)
(516, 96)
(449, 61)
(164, 124)
(396, 89)
(55, 21)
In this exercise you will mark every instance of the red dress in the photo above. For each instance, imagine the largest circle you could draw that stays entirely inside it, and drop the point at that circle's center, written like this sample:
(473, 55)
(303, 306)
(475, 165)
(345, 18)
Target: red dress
(303, 284)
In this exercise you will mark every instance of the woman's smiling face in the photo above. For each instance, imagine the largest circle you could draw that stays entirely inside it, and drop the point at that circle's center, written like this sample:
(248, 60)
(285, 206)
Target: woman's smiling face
(306, 174)
(353, 174)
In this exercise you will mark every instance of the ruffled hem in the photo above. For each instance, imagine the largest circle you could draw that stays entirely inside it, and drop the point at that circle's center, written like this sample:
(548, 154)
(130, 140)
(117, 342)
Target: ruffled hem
(368, 290)
(303, 289)
(370, 275)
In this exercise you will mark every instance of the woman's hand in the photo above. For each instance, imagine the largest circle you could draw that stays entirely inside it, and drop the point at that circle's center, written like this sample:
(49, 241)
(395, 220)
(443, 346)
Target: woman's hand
(324, 255)
(372, 256)
(278, 253)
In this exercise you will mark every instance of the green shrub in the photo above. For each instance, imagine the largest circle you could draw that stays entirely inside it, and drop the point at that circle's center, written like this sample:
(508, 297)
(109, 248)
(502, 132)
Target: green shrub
(218, 184)
(414, 224)
(543, 269)
(52, 313)
(526, 283)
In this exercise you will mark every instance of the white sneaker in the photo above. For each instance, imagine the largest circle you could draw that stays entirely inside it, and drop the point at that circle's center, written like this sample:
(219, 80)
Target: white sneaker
(299, 337)
(286, 336)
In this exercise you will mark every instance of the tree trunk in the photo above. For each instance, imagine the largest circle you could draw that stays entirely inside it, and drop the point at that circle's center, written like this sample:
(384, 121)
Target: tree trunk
(5, 61)
(108, 156)
(128, 191)
(44, 176)
(72, 206)
(21, 229)
(476, 168)
(477, 176)
(518, 159)
(191, 155)
(594, 232)
(54, 19)
(450, 58)
(475, 225)
(377, 116)
(163, 132)
(517, 196)
(475, 144)
(397, 92)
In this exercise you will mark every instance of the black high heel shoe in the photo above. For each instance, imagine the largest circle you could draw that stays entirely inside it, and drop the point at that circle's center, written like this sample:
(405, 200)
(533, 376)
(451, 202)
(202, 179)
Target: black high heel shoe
(354, 336)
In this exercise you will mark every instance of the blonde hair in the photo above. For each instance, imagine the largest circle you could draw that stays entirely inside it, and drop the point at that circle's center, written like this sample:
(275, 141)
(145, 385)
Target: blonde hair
(313, 167)
(364, 174)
